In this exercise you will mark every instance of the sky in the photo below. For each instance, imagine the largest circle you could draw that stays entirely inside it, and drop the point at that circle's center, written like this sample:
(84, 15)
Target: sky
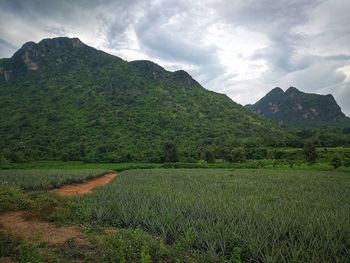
(240, 48)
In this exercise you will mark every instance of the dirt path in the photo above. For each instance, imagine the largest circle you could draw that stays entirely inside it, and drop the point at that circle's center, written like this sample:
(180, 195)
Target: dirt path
(85, 188)
(20, 224)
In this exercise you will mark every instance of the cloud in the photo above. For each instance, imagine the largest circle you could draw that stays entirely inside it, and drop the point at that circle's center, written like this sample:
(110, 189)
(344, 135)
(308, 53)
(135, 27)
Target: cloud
(241, 48)
(6, 48)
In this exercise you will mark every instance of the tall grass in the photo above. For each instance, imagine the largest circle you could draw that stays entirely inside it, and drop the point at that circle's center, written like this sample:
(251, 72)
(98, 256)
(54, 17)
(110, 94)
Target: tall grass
(45, 179)
(265, 215)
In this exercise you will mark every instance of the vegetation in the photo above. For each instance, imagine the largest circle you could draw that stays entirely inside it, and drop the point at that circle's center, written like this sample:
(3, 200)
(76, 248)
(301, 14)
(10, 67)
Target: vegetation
(296, 108)
(266, 215)
(45, 179)
(336, 162)
(81, 104)
(70, 113)
(129, 245)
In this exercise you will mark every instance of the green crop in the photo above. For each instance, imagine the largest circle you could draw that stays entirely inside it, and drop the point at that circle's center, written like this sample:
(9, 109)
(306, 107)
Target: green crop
(248, 215)
(45, 179)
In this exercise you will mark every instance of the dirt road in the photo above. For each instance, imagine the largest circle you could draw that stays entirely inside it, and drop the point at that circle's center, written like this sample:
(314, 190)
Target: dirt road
(85, 188)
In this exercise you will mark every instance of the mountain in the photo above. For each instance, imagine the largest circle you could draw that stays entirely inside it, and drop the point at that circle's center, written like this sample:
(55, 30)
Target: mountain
(296, 108)
(61, 99)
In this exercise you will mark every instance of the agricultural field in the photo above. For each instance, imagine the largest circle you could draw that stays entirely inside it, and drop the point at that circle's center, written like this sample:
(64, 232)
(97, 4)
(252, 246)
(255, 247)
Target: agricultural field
(46, 179)
(262, 215)
(184, 215)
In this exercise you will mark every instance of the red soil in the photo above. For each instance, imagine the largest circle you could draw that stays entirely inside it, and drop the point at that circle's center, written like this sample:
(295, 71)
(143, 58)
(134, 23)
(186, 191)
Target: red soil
(85, 188)
(22, 225)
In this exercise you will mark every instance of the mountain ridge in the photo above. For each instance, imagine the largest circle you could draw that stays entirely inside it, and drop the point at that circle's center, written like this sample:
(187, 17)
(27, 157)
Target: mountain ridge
(296, 108)
(74, 102)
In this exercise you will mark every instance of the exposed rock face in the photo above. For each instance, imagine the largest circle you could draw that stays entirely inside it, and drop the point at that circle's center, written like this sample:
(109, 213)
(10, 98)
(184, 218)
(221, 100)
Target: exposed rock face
(296, 108)
(31, 55)
(7, 75)
(31, 65)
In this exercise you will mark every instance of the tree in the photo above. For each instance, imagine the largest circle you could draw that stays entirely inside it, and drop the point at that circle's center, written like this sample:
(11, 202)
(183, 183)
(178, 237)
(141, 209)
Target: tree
(336, 162)
(170, 153)
(238, 155)
(310, 153)
(209, 157)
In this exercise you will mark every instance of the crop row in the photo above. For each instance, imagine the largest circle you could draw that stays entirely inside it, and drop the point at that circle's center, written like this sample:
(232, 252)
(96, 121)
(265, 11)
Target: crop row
(45, 179)
(268, 215)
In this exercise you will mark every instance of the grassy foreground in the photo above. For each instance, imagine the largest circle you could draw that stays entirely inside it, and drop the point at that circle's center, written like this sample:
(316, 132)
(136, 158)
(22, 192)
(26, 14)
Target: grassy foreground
(263, 215)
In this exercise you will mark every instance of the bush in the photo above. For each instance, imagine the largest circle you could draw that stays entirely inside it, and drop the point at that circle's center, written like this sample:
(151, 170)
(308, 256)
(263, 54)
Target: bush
(310, 153)
(8, 244)
(12, 198)
(133, 245)
(238, 155)
(209, 157)
(170, 153)
(336, 162)
(14, 248)
(346, 162)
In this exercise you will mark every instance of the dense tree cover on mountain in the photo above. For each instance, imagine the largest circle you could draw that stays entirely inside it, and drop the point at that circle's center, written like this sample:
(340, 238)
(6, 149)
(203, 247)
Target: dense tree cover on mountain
(63, 100)
(299, 109)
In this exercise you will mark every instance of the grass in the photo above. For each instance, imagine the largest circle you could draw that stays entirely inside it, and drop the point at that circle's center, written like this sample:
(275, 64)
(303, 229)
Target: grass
(253, 215)
(39, 179)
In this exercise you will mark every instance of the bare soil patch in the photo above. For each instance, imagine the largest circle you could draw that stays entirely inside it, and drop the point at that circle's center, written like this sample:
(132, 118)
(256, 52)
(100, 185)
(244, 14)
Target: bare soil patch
(26, 227)
(85, 188)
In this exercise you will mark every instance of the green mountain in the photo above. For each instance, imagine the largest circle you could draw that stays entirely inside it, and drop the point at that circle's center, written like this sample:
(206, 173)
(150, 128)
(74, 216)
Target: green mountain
(61, 99)
(296, 108)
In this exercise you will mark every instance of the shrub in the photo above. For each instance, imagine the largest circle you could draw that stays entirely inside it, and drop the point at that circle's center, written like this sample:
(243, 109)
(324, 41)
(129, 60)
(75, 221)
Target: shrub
(336, 162)
(310, 153)
(170, 153)
(238, 155)
(133, 245)
(12, 198)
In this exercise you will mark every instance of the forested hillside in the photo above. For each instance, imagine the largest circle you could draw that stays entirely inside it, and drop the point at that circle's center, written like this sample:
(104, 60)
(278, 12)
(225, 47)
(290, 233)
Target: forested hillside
(61, 99)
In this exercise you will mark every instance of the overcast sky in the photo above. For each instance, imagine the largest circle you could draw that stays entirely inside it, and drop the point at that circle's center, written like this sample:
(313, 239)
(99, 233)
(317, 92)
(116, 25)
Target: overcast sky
(240, 48)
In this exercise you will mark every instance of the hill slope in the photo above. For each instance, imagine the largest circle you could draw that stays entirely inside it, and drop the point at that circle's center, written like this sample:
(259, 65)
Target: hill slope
(296, 108)
(61, 99)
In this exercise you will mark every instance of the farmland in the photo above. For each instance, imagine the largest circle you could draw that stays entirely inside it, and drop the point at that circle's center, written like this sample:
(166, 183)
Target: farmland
(46, 179)
(270, 216)
(205, 215)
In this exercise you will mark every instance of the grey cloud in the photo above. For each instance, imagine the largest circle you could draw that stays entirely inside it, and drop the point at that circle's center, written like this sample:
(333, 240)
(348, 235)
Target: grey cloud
(343, 97)
(6, 49)
(306, 47)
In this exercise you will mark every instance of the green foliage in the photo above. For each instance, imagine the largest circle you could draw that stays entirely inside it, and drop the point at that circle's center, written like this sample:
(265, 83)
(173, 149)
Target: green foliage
(310, 153)
(13, 247)
(85, 105)
(8, 244)
(133, 245)
(303, 214)
(236, 257)
(170, 153)
(238, 155)
(209, 157)
(46, 179)
(325, 136)
(296, 108)
(12, 198)
(336, 162)
(28, 253)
